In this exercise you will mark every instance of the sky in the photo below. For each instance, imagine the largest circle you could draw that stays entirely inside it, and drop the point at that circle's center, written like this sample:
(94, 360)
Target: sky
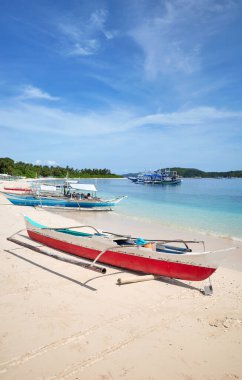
(127, 85)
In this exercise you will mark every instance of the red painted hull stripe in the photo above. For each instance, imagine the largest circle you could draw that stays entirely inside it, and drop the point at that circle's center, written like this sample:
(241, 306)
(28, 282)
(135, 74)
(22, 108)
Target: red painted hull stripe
(127, 261)
(16, 189)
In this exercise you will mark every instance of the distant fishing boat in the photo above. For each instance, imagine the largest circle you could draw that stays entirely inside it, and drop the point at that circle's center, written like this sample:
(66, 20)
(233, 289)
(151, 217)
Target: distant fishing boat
(168, 258)
(133, 179)
(160, 177)
(171, 181)
(70, 198)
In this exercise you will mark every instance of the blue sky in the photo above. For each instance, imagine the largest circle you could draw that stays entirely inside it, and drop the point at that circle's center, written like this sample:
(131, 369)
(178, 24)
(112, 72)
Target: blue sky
(127, 85)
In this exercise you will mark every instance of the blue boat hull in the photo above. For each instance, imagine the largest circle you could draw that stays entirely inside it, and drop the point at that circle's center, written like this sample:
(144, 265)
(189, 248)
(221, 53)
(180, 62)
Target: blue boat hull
(55, 202)
(172, 182)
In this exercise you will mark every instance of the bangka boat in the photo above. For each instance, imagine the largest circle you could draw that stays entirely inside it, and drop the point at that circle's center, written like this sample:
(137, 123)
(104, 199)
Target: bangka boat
(133, 179)
(170, 181)
(160, 177)
(62, 202)
(71, 195)
(173, 259)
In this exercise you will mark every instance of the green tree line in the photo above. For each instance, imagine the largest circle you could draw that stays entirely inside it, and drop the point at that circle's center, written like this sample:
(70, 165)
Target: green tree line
(23, 169)
(196, 173)
(193, 173)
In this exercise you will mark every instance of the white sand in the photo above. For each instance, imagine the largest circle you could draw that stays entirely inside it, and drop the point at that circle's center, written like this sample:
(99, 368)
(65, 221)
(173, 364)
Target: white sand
(59, 321)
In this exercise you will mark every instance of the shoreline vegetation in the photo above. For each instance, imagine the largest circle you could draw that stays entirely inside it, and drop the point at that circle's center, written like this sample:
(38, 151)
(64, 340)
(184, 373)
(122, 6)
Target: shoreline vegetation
(196, 173)
(22, 169)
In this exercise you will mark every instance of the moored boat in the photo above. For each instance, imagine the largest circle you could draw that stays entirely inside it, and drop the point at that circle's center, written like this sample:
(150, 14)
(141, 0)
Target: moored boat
(133, 179)
(141, 255)
(160, 177)
(71, 195)
(64, 202)
(171, 181)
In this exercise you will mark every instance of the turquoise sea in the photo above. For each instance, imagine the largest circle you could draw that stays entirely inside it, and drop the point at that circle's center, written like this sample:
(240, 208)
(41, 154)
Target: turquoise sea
(207, 205)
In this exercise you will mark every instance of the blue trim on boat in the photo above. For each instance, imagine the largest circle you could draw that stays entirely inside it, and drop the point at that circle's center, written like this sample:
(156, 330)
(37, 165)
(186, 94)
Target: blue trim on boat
(32, 201)
(65, 231)
(165, 250)
(35, 224)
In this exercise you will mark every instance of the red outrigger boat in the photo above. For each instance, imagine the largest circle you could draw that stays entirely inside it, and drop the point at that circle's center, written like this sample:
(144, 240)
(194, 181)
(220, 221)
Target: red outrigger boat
(157, 258)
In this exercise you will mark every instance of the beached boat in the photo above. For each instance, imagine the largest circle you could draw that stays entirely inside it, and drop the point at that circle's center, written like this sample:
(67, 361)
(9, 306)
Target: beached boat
(161, 257)
(70, 197)
(63, 202)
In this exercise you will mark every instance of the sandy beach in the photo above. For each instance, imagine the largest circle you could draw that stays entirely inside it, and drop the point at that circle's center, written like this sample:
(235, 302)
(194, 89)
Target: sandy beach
(60, 321)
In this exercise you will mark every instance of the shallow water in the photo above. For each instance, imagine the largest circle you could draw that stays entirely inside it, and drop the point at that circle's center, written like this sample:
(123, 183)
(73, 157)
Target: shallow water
(206, 205)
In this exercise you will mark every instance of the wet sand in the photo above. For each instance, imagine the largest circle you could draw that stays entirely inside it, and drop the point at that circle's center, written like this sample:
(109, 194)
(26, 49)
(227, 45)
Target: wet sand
(60, 321)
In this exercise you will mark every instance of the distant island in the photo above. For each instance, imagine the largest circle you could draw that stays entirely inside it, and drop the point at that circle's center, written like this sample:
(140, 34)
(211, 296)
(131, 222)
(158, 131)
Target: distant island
(196, 173)
(23, 169)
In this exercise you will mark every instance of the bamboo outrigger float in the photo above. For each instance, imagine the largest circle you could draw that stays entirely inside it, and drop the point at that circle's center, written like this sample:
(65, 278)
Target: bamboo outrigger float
(79, 263)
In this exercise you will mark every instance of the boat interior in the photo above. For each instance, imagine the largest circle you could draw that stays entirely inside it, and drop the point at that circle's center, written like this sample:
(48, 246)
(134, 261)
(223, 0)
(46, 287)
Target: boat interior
(124, 241)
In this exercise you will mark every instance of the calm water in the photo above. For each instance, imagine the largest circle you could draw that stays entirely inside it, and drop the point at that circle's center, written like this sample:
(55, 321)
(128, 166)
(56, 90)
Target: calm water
(209, 205)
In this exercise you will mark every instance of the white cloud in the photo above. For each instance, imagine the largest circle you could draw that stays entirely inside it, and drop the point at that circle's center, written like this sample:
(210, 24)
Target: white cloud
(194, 116)
(172, 40)
(43, 119)
(39, 118)
(198, 136)
(31, 92)
(89, 48)
(51, 163)
(46, 162)
(83, 38)
(98, 19)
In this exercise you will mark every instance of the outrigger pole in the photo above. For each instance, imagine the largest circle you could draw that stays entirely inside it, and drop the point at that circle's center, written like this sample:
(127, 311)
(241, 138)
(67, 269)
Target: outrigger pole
(158, 240)
(82, 264)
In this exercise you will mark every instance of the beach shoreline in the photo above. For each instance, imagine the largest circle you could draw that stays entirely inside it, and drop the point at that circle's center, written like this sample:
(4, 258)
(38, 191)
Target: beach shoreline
(170, 213)
(82, 325)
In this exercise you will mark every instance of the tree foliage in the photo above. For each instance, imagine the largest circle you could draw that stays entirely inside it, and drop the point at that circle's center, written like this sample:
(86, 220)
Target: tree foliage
(196, 173)
(9, 166)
